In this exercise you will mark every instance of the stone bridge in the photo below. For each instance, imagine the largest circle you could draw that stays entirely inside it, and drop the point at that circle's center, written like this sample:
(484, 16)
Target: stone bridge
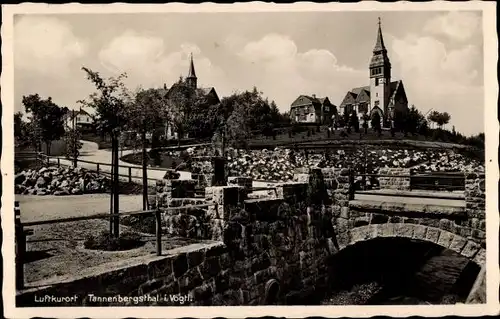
(275, 248)
(288, 234)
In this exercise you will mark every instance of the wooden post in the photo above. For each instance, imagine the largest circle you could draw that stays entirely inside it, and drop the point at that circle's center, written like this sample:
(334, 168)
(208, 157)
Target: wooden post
(130, 174)
(20, 247)
(97, 168)
(112, 196)
(219, 174)
(144, 171)
(158, 232)
(116, 200)
(363, 182)
(58, 162)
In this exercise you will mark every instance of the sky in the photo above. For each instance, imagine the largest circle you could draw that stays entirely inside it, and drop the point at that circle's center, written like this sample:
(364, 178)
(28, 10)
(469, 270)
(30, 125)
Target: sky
(438, 55)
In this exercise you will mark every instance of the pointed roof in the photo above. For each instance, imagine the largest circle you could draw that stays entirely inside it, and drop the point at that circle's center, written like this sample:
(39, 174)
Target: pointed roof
(192, 73)
(379, 45)
(379, 57)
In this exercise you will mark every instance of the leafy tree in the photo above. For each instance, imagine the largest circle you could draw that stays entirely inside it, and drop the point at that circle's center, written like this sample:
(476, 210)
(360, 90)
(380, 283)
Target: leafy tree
(18, 125)
(365, 122)
(354, 121)
(443, 119)
(413, 120)
(433, 117)
(47, 119)
(423, 127)
(256, 112)
(109, 103)
(345, 117)
(146, 114)
(375, 122)
(399, 120)
(73, 145)
(179, 103)
(237, 128)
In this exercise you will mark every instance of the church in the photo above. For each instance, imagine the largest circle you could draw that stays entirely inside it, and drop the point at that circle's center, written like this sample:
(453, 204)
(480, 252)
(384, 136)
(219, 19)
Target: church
(383, 96)
(188, 88)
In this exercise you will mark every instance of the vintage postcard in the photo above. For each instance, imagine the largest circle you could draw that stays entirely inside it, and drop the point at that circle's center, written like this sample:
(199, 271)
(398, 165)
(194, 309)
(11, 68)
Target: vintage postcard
(254, 159)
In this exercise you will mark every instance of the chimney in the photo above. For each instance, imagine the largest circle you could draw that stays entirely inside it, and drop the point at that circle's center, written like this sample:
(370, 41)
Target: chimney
(314, 96)
(165, 86)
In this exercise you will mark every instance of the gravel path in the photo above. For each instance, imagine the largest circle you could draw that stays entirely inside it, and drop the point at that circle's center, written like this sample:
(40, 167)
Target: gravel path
(34, 208)
(91, 152)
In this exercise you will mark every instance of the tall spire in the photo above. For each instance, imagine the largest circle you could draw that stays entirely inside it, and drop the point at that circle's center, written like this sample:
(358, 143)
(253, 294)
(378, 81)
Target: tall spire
(191, 78)
(379, 45)
(192, 73)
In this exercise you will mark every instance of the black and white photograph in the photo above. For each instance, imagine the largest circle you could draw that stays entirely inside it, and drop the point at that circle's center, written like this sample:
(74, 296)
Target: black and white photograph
(205, 157)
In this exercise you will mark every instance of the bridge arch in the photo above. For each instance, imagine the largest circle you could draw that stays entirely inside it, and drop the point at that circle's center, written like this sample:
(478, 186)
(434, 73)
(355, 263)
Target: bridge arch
(467, 248)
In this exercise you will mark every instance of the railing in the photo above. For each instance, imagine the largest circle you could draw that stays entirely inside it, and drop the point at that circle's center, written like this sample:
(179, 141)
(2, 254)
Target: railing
(452, 181)
(56, 160)
(21, 232)
(438, 180)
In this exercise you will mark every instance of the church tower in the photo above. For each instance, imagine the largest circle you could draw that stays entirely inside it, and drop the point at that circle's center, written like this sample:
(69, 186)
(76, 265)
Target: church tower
(191, 79)
(380, 75)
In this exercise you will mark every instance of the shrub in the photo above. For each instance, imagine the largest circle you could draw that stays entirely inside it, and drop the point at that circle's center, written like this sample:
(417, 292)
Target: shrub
(105, 241)
(143, 224)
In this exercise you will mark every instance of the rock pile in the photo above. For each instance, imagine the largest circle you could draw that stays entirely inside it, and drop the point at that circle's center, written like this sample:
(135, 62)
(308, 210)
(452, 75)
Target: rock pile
(60, 181)
(449, 162)
(279, 164)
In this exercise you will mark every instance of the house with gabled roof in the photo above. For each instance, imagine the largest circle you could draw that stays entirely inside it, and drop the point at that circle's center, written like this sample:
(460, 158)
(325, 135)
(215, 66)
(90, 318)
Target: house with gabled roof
(79, 118)
(383, 96)
(310, 109)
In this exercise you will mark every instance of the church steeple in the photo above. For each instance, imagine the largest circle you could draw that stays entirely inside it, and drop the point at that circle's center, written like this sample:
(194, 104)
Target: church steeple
(380, 66)
(379, 45)
(191, 79)
(380, 75)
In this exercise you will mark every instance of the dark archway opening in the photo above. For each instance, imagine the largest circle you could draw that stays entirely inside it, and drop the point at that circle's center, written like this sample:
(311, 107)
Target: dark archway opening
(392, 271)
(272, 290)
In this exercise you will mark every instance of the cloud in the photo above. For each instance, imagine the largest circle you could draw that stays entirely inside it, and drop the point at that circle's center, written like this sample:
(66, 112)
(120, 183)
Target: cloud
(46, 45)
(442, 78)
(147, 63)
(283, 73)
(457, 25)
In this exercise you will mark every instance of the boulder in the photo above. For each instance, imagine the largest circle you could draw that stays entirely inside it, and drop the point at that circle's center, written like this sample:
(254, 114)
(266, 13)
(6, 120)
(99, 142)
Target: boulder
(64, 184)
(19, 178)
(40, 182)
(93, 186)
(76, 191)
(62, 192)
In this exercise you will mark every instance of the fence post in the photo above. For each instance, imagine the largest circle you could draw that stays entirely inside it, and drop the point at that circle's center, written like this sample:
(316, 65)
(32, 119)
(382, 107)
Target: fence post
(130, 174)
(58, 162)
(97, 168)
(158, 232)
(48, 160)
(20, 247)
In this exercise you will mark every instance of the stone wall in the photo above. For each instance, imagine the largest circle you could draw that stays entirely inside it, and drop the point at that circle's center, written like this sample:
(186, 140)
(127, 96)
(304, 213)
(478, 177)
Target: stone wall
(287, 240)
(260, 241)
(395, 183)
(475, 204)
(192, 272)
(189, 223)
(245, 182)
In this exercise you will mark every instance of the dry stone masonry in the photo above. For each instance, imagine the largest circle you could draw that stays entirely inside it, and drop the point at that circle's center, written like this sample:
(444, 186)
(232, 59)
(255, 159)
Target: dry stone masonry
(397, 182)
